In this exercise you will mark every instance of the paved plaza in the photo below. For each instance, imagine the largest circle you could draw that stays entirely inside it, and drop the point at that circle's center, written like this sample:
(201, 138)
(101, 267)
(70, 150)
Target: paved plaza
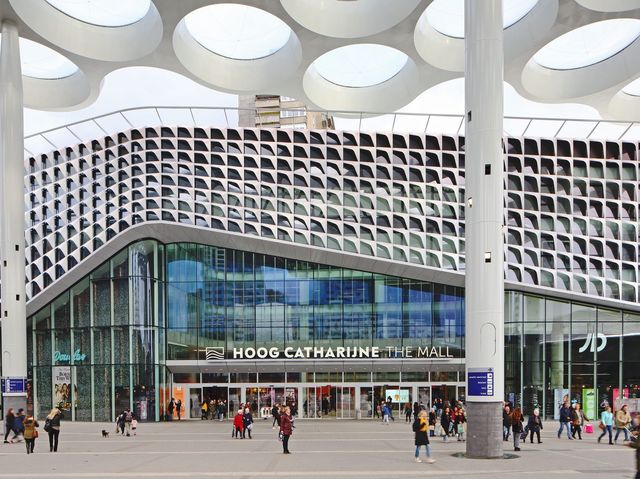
(330, 448)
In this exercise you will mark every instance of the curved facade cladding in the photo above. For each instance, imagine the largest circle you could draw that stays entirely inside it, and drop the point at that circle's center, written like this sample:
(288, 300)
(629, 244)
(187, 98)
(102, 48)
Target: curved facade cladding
(380, 198)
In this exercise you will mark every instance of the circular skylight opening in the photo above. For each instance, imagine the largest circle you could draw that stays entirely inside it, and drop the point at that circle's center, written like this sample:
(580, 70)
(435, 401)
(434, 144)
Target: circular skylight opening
(447, 16)
(237, 31)
(589, 44)
(42, 62)
(104, 13)
(361, 65)
(632, 88)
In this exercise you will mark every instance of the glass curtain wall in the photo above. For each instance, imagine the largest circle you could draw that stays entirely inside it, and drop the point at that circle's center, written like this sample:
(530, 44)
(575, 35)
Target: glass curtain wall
(565, 350)
(94, 350)
(220, 297)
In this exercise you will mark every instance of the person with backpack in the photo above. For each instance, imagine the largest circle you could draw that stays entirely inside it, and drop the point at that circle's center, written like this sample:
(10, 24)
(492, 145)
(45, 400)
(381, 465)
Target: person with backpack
(128, 419)
(52, 427)
(420, 428)
(30, 433)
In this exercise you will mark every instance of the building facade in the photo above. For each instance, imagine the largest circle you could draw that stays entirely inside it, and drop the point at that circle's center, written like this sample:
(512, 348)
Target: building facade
(321, 268)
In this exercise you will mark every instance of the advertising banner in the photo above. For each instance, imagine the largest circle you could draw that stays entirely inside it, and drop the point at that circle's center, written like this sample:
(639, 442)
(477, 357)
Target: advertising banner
(62, 387)
(398, 395)
(589, 403)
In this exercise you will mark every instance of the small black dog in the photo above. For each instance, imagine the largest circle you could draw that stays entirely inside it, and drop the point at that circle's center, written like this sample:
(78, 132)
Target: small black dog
(105, 433)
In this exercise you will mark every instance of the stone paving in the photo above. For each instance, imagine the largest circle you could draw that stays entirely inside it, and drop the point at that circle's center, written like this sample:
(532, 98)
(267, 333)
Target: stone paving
(320, 449)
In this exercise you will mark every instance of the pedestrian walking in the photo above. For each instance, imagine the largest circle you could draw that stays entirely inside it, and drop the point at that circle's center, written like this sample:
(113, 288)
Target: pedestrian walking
(606, 424)
(535, 425)
(275, 412)
(432, 421)
(247, 423)
(286, 429)
(416, 410)
(238, 423)
(578, 419)
(128, 419)
(9, 421)
(18, 426)
(52, 427)
(565, 419)
(623, 420)
(516, 427)
(30, 433)
(445, 423)
(386, 413)
(420, 428)
(506, 423)
(459, 420)
(407, 412)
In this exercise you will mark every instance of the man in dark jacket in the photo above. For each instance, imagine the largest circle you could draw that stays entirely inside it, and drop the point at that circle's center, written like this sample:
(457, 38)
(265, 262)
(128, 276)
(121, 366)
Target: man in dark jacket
(565, 420)
(506, 423)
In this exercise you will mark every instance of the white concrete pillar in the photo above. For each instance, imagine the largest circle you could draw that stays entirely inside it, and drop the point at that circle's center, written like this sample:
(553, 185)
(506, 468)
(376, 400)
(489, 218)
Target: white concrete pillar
(12, 212)
(484, 211)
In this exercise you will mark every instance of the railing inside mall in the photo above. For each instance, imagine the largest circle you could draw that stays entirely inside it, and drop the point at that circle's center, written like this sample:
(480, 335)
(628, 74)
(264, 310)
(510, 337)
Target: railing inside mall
(225, 117)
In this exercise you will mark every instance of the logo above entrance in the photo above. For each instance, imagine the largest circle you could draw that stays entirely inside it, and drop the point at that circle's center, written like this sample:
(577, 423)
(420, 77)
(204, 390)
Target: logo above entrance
(213, 354)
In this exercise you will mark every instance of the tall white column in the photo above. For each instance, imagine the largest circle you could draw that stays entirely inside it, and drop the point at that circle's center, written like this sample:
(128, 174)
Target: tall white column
(484, 275)
(12, 211)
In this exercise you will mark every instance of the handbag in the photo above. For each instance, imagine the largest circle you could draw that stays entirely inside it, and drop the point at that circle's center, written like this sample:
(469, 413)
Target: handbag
(35, 433)
(602, 426)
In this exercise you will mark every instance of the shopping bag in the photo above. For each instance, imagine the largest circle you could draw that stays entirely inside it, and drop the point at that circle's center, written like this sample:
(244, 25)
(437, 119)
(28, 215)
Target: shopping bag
(588, 428)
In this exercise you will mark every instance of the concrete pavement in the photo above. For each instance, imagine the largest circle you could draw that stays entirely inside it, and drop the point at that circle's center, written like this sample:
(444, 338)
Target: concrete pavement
(320, 449)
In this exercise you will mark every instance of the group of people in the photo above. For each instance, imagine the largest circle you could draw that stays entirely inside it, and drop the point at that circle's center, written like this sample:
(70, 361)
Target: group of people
(25, 428)
(282, 418)
(174, 406)
(513, 423)
(242, 423)
(213, 409)
(126, 422)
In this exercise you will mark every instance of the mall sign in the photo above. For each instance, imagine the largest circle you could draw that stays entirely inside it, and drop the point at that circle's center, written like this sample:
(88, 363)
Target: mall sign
(213, 354)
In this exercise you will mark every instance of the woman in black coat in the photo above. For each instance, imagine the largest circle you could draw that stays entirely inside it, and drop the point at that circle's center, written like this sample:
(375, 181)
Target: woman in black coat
(445, 422)
(421, 428)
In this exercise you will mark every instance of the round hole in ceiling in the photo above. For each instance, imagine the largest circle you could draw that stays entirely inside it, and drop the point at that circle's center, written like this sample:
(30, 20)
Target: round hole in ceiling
(360, 65)
(236, 31)
(589, 44)
(447, 16)
(104, 13)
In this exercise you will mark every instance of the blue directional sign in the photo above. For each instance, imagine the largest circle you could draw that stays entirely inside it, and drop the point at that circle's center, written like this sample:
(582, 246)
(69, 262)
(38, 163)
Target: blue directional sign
(480, 382)
(14, 385)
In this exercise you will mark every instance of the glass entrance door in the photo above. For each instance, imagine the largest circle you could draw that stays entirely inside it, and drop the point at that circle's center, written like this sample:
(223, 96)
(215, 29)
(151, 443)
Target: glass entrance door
(345, 402)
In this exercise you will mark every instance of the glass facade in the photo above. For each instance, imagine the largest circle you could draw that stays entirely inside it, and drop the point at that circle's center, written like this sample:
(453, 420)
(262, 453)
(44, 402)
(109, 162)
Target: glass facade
(556, 349)
(103, 344)
(95, 349)
(219, 297)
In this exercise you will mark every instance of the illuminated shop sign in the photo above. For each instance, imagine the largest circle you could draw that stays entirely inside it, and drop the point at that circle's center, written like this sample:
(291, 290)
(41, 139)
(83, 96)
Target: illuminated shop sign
(77, 356)
(339, 352)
